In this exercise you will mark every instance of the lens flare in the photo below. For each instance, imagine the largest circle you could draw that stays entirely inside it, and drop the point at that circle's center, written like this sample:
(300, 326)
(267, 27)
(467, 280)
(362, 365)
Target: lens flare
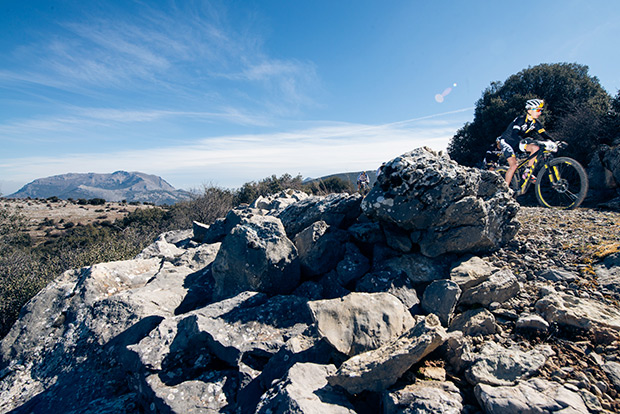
(440, 97)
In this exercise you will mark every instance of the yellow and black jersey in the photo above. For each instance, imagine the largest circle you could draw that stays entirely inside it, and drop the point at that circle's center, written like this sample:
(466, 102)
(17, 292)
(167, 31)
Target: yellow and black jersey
(523, 126)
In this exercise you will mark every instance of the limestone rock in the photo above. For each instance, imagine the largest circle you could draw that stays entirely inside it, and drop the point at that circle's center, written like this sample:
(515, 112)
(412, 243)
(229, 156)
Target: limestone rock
(496, 365)
(446, 207)
(380, 368)
(256, 255)
(424, 397)
(578, 312)
(305, 390)
(360, 322)
(533, 396)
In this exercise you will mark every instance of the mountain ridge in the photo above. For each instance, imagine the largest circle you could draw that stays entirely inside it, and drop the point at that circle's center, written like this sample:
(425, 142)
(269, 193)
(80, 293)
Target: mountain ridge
(117, 186)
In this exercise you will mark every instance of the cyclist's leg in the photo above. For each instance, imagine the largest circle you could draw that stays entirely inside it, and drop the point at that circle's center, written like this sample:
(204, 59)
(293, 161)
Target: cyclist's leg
(512, 167)
(531, 148)
(508, 153)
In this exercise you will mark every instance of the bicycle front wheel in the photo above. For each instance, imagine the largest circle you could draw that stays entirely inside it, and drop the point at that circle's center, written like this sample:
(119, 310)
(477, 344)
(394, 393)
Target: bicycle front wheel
(561, 183)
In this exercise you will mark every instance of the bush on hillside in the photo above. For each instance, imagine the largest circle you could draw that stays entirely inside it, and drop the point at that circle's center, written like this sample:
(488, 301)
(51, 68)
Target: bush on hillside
(329, 185)
(267, 186)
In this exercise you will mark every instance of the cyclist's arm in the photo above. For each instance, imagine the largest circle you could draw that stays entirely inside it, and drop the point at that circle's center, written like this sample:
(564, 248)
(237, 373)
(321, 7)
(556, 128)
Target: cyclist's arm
(543, 134)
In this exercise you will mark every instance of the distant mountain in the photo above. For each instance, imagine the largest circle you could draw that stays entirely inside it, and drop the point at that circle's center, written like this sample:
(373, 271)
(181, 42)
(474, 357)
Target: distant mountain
(118, 186)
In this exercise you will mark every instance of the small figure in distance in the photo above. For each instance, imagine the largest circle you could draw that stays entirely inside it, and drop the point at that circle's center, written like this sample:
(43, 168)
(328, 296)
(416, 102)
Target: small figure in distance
(380, 169)
(362, 183)
(517, 133)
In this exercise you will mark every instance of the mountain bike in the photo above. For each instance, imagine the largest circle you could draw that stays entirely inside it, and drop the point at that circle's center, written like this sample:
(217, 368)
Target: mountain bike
(363, 188)
(559, 182)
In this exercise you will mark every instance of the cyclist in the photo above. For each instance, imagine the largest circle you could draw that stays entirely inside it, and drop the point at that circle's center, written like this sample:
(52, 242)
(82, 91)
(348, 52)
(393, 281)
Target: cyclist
(519, 133)
(362, 182)
(492, 156)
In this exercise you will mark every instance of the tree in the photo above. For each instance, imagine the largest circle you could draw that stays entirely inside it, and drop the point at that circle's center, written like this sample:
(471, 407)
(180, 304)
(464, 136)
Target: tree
(576, 103)
(611, 123)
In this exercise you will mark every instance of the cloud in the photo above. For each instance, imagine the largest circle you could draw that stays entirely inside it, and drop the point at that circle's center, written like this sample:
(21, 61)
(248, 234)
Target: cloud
(182, 53)
(230, 161)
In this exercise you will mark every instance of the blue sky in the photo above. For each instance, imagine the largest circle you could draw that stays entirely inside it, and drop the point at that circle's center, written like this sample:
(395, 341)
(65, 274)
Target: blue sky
(226, 92)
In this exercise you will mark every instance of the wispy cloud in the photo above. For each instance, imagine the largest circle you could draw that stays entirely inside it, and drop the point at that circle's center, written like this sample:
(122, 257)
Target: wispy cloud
(183, 53)
(232, 160)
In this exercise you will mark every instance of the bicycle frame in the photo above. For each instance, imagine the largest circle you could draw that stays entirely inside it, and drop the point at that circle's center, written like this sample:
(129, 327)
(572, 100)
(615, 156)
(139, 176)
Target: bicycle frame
(541, 154)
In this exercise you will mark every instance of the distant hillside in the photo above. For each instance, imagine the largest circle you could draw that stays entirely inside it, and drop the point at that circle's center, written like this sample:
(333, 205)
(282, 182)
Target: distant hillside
(118, 186)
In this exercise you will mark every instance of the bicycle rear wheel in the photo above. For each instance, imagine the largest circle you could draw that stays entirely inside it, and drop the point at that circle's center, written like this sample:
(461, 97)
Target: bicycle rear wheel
(561, 183)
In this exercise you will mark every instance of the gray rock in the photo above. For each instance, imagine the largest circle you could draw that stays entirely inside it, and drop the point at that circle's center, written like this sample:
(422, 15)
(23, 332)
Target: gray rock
(558, 275)
(209, 393)
(533, 396)
(256, 255)
(216, 232)
(353, 266)
(496, 365)
(474, 322)
(424, 397)
(367, 232)
(337, 210)
(612, 369)
(578, 312)
(380, 368)
(529, 321)
(276, 203)
(397, 239)
(305, 390)
(247, 333)
(471, 271)
(319, 250)
(608, 273)
(501, 286)
(398, 285)
(307, 347)
(440, 298)
(447, 207)
(418, 268)
(360, 322)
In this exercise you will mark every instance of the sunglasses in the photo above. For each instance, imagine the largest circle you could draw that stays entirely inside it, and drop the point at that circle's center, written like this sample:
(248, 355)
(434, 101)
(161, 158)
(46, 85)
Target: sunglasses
(537, 110)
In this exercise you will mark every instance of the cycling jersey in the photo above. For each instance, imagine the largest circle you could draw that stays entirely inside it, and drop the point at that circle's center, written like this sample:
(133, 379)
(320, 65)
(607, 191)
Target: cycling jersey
(523, 126)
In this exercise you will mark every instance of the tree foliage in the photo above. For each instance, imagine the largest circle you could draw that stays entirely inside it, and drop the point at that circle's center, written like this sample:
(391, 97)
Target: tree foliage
(576, 105)
(330, 185)
(267, 186)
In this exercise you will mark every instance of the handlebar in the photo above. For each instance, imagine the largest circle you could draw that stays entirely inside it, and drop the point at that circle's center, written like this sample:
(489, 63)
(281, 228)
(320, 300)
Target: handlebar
(551, 146)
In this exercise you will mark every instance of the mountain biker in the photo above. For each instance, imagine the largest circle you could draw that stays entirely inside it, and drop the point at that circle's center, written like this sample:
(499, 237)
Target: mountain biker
(492, 156)
(362, 181)
(519, 133)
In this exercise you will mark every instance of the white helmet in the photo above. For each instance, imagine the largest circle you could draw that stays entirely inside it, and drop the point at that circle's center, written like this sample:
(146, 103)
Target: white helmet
(534, 104)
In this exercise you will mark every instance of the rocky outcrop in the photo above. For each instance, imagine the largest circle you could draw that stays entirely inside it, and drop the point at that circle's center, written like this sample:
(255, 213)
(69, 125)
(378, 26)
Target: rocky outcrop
(443, 206)
(327, 304)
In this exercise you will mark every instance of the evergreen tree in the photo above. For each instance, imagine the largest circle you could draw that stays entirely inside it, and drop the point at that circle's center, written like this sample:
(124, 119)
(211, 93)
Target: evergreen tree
(575, 106)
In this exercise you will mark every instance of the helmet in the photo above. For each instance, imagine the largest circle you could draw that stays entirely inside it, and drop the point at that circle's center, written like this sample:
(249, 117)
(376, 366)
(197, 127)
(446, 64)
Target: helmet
(534, 104)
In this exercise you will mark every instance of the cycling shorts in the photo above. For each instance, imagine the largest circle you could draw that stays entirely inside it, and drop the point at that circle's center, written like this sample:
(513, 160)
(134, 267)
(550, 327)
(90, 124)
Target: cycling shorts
(507, 150)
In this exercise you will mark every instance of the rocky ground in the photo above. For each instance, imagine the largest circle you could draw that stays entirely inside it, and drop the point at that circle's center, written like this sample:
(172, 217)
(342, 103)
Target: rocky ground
(429, 301)
(577, 241)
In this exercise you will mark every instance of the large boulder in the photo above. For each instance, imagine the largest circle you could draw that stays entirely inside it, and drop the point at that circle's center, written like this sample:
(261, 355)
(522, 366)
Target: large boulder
(361, 322)
(444, 206)
(337, 210)
(256, 255)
